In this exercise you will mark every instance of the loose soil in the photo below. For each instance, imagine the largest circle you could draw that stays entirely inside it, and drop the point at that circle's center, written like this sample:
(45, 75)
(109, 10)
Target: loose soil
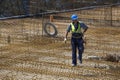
(26, 54)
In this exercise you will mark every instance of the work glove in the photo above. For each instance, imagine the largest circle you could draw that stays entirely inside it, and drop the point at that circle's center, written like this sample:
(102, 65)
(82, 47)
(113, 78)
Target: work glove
(65, 40)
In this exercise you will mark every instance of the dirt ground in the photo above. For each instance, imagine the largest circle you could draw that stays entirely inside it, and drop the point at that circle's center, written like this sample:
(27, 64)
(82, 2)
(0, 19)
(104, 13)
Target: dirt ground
(27, 55)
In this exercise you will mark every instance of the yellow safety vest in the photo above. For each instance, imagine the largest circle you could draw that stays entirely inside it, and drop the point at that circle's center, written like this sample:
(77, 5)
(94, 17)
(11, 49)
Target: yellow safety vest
(73, 28)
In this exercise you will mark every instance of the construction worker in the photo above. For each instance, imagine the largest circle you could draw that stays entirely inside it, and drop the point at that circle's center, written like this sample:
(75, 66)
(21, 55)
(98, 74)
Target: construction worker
(77, 29)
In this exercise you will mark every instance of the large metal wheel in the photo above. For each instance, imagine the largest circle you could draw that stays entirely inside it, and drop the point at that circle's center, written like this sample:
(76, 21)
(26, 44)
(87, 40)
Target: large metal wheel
(50, 29)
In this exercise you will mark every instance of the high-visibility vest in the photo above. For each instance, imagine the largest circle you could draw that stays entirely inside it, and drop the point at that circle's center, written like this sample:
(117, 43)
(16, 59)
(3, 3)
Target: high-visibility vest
(73, 28)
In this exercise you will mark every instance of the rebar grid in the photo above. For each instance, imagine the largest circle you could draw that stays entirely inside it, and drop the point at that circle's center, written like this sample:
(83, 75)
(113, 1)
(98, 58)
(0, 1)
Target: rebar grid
(28, 54)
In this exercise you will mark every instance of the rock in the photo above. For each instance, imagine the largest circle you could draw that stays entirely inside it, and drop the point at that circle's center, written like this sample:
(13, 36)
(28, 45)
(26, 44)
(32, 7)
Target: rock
(93, 57)
(112, 57)
(102, 66)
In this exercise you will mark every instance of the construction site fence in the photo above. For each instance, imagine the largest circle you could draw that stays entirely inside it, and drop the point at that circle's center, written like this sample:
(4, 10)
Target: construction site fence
(100, 16)
(106, 16)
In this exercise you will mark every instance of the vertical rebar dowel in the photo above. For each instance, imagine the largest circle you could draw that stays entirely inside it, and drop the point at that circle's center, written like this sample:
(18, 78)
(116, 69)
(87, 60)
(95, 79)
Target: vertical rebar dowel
(9, 39)
(111, 15)
(42, 24)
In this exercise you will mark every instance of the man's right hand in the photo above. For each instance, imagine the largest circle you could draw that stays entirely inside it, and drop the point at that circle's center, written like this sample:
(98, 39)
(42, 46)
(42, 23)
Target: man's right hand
(65, 40)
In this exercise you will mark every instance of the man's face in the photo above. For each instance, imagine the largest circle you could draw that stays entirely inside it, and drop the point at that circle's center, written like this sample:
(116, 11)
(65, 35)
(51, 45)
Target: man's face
(75, 21)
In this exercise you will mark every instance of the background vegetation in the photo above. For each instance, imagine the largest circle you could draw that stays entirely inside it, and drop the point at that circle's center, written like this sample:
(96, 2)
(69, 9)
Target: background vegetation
(21, 7)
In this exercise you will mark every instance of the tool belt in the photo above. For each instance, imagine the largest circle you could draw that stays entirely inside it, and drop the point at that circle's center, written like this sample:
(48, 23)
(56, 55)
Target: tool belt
(77, 35)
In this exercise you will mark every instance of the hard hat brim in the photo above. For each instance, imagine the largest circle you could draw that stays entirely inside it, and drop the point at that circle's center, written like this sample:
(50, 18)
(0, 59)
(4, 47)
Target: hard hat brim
(74, 18)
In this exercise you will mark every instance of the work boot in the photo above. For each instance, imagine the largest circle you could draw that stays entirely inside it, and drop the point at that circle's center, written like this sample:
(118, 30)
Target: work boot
(80, 61)
(80, 64)
(73, 65)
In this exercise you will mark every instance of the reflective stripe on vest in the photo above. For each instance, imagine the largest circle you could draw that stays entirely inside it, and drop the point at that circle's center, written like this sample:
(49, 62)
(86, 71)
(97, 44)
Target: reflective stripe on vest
(73, 28)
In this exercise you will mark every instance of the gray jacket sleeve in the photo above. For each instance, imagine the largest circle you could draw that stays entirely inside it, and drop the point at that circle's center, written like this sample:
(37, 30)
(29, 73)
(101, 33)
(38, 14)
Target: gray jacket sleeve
(69, 28)
(84, 26)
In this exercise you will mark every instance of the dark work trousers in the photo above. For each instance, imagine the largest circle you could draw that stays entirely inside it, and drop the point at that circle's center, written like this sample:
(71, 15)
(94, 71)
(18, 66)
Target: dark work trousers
(77, 43)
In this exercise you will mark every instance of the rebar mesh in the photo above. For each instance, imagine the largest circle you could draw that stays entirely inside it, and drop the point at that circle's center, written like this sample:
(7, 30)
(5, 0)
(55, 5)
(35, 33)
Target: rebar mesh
(27, 53)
